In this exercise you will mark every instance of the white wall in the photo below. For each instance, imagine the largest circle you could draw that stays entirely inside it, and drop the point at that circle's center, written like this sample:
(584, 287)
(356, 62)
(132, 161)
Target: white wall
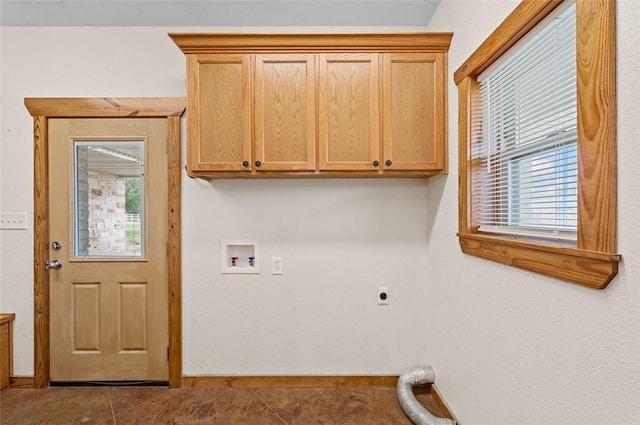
(513, 347)
(340, 238)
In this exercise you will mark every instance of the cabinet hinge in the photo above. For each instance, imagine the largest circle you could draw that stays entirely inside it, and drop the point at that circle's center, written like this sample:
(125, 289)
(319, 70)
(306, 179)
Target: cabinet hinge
(167, 353)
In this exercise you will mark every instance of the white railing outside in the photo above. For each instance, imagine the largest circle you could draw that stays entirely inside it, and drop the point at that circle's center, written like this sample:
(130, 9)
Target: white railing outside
(133, 218)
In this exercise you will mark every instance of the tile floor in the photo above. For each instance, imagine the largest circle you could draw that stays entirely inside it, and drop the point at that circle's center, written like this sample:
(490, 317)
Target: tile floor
(211, 406)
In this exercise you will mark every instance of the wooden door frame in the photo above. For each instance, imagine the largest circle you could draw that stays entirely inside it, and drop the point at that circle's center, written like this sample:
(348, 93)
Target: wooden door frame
(41, 109)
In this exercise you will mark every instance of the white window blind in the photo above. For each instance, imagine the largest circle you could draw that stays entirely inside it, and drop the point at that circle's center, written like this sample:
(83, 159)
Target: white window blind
(526, 142)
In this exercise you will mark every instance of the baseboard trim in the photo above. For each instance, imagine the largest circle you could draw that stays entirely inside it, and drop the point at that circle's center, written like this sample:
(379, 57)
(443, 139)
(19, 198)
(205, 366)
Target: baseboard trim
(442, 404)
(322, 381)
(24, 382)
(288, 381)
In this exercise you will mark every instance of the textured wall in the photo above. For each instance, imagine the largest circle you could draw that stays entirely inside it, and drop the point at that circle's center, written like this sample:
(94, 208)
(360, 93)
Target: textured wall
(513, 347)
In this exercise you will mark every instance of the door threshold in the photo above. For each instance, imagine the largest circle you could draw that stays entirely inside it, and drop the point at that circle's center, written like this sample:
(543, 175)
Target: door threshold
(109, 383)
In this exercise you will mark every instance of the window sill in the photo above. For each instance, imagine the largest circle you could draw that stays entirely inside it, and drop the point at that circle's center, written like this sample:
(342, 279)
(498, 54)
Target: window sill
(587, 268)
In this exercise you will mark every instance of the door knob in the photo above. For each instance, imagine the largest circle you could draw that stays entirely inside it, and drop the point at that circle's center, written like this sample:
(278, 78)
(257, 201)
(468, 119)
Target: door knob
(55, 265)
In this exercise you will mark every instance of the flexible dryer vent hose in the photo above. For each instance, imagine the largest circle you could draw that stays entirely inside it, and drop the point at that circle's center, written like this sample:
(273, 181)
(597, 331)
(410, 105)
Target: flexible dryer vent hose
(416, 412)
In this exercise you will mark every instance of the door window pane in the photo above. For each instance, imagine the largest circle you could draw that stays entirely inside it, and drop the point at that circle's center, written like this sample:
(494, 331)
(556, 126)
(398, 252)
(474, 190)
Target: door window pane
(109, 199)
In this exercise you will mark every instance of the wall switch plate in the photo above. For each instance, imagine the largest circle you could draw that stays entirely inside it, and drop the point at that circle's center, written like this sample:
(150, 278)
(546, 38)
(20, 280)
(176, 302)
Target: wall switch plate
(276, 265)
(383, 295)
(16, 221)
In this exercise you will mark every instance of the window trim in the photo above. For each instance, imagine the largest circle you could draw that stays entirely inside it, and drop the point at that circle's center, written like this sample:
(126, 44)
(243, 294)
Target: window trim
(593, 262)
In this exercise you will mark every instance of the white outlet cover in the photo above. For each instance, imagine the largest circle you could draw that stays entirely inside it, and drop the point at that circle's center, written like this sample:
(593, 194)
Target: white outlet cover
(277, 266)
(383, 290)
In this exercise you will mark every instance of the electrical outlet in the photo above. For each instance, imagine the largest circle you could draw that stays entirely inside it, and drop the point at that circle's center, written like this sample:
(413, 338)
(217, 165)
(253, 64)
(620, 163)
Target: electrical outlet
(383, 295)
(276, 265)
(16, 221)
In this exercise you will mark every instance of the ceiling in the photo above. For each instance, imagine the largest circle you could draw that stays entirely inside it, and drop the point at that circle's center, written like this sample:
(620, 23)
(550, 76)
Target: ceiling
(250, 13)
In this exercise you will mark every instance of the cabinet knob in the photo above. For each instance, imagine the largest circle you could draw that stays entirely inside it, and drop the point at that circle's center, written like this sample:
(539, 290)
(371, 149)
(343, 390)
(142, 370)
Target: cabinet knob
(376, 163)
(245, 163)
(258, 163)
(388, 163)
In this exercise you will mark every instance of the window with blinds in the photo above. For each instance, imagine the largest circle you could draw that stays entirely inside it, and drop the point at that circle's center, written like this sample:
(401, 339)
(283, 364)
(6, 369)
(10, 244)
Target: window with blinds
(527, 138)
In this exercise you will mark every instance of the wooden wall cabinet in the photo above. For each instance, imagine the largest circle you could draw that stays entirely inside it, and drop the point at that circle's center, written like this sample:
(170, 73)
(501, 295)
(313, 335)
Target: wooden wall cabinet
(294, 105)
(348, 89)
(285, 116)
(414, 116)
(219, 113)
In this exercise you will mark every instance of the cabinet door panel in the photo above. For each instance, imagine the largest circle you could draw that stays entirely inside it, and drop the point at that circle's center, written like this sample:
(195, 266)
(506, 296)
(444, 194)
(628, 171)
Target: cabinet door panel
(285, 112)
(349, 134)
(219, 118)
(413, 111)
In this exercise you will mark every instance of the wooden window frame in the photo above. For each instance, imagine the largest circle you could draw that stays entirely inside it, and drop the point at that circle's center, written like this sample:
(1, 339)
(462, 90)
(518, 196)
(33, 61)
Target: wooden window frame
(593, 262)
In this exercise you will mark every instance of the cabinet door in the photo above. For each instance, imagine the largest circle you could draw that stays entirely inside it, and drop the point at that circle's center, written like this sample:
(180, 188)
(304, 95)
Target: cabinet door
(349, 134)
(414, 116)
(285, 112)
(219, 118)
